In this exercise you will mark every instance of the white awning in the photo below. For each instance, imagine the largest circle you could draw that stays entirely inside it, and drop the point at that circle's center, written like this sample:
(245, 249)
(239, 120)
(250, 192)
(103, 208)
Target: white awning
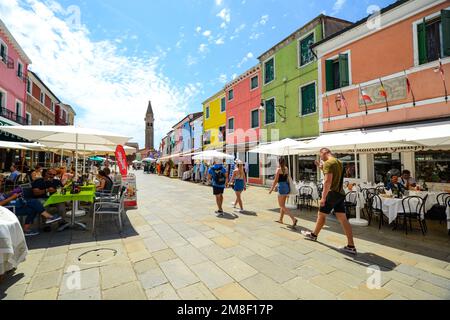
(425, 136)
(282, 148)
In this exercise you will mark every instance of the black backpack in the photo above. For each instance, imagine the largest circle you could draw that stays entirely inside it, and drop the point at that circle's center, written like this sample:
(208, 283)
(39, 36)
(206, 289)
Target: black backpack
(219, 177)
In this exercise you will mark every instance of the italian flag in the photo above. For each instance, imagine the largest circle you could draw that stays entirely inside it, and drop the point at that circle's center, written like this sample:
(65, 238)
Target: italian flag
(366, 97)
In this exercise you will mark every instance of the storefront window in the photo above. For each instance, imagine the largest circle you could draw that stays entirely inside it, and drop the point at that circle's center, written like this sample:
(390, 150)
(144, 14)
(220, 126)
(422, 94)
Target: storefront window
(387, 165)
(307, 169)
(433, 166)
(348, 160)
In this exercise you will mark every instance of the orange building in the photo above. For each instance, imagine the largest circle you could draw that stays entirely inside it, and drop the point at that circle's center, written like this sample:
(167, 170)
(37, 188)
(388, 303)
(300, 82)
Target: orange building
(404, 51)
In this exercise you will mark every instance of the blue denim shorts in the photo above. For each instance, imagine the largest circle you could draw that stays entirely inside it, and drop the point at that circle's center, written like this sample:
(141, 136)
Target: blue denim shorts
(239, 185)
(283, 188)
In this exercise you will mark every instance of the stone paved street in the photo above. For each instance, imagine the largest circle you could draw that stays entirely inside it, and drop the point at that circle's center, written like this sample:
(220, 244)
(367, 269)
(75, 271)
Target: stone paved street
(174, 247)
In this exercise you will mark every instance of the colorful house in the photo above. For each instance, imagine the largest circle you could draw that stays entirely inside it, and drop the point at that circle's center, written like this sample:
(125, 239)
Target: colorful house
(289, 85)
(243, 119)
(214, 122)
(13, 78)
(389, 72)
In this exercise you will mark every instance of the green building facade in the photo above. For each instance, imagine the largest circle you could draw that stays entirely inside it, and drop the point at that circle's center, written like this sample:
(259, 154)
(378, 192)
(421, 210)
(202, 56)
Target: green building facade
(290, 83)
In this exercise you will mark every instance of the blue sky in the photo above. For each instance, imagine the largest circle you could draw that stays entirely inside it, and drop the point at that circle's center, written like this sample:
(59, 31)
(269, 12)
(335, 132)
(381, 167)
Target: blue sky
(175, 52)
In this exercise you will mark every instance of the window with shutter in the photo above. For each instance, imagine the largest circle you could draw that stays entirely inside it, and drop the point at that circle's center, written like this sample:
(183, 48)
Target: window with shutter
(269, 71)
(308, 98)
(422, 41)
(306, 55)
(329, 75)
(270, 111)
(344, 78)
(254, 83)
(3, 51)
(231, 125)
(445, 22)
(253, 167)
(255, 119)
(207, 113)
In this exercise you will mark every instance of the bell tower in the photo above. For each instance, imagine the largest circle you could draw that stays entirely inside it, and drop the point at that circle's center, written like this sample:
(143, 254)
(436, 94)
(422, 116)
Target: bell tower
(149, 129)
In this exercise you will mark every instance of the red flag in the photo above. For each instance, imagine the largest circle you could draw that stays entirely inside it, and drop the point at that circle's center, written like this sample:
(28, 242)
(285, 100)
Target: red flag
(366, 97)
(409, 89)
(327, 105)
(383, 92)
(121, 159)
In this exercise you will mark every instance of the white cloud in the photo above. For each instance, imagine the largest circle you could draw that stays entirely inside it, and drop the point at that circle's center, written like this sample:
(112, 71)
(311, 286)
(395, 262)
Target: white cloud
(198, 29)
(240, 28)
(203, 48)
(190, 60)
(207, 33)
(264, 19)
(108, 89)
(220, 41)
(223, 78)
(219, 2)
(225, 15)
(247, 57)
(338, 6)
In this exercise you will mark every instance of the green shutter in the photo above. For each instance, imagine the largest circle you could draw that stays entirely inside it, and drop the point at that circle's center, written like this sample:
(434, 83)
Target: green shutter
(270, 111)
(309, 99)
(343, 70)
(329, 75)
(422, 42)
(445, 22)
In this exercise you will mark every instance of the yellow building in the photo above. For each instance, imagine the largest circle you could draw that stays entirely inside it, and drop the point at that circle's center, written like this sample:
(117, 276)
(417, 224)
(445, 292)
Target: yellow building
(214, 122)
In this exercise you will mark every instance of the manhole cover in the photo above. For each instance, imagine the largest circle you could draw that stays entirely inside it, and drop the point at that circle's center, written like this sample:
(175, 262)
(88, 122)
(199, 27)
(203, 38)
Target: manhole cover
(97, 256)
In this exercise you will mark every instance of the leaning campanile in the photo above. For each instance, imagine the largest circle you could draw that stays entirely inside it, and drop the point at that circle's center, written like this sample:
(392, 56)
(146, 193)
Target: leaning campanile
(149, 128)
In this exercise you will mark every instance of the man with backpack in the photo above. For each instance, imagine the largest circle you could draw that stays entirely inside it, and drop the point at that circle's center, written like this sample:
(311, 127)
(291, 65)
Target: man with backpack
(218, 174)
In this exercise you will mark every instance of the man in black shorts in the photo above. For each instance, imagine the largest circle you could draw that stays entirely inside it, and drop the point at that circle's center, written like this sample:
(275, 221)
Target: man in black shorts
(218, 174)
(333, 199)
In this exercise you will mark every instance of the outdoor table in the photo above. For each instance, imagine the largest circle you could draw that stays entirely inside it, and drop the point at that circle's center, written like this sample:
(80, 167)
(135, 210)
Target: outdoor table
(83, 196)
(13, 248)
(391, 207)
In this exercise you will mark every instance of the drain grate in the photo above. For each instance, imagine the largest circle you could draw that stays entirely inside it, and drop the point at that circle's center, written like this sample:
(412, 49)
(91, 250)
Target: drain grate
(97, 256)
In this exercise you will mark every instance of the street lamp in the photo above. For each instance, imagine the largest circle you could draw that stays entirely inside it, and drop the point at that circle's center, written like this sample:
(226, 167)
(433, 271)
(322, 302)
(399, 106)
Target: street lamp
(278, 108)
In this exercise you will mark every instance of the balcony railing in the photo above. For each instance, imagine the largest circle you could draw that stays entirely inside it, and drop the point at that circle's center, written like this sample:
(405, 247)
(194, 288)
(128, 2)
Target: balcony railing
(8, 114)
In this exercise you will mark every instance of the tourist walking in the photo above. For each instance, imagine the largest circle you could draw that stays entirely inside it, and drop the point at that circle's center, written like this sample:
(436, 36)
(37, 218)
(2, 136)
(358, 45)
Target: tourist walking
(333, 198)
(282, 180)
(239, 182)
(218, 175)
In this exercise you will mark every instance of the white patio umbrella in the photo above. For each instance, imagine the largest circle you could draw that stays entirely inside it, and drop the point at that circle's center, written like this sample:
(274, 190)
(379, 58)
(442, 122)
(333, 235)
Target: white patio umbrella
(12, 145)
(212, 155)
(52, 135)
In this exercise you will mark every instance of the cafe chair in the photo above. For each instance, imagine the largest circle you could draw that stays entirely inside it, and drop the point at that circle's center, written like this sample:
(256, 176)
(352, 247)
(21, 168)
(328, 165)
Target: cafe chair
(375, 206)
(438, 211)
(367, 194)
(110, 207)
(380, 190)
(351, 199)
(320, 190)
(112, 195)
(305, 197)
(413, 208)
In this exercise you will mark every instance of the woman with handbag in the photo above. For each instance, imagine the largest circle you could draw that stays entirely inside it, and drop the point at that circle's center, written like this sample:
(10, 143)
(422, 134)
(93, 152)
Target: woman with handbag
(282, 180)
(239, 183)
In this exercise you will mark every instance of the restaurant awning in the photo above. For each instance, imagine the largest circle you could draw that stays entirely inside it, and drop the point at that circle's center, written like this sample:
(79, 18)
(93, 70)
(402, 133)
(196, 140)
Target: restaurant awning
(282, 148)
(425, 136)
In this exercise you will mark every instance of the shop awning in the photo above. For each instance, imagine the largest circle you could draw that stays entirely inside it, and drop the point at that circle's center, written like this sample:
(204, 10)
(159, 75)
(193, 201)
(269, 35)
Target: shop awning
(422, 136)
(282, 148)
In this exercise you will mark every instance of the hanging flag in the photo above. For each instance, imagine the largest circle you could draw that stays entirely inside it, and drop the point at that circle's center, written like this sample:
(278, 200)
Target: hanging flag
(344, 103)
(384, 94)
(409, 89)
(440, 69)
(327, 104)
(121, 159)
(366, 98)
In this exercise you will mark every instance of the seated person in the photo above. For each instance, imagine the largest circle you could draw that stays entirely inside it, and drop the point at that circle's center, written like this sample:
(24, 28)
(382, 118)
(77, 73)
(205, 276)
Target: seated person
(46, 186)
(106, 183)
(395, 186)
(29, 208)
(37, 173)
(407, 181)
(14, 173)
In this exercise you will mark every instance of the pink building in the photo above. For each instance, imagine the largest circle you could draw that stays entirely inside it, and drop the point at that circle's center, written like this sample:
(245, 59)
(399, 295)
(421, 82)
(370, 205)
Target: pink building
(243, 97)
(13, 79)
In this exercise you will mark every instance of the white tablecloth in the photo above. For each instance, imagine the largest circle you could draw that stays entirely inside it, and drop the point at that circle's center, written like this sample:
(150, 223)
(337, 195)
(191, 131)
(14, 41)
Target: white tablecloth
(391, 208)
(13, 248)
(315, 194)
